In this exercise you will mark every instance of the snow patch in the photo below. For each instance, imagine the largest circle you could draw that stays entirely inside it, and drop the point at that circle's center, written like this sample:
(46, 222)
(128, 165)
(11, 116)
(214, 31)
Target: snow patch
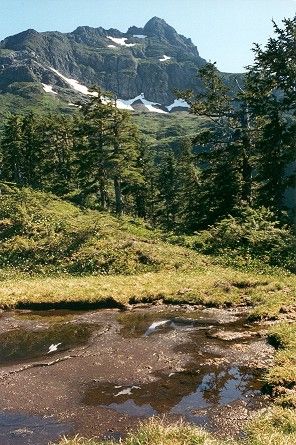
(164, 58)
(120, 41)
(178, 103)
(120, 103)
(112, 46)
(48, 88)
(139, 36)
(75, 84)
(123, 105)
(148, 104)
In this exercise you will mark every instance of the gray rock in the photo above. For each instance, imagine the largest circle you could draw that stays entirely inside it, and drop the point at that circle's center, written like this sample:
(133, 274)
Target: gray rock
(84, 55)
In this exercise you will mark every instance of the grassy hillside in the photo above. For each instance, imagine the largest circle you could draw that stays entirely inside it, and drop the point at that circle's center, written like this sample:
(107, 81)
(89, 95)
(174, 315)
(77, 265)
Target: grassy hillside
(42, 234)
(63, 253)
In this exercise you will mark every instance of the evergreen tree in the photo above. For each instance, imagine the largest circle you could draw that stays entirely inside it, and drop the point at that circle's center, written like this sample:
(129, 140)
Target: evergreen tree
(13, 165)
(57, 163)
(91, 142)
(31, 150)
(272, 98)
(107, 150)
(188, 194)
(167, 185)
(225, 146)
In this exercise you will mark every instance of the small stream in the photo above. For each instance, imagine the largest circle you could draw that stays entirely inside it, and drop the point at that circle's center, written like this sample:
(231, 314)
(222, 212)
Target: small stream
(206, 366)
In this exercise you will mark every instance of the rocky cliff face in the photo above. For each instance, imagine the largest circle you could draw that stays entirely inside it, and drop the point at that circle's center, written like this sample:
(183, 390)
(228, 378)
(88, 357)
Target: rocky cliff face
(153, 61)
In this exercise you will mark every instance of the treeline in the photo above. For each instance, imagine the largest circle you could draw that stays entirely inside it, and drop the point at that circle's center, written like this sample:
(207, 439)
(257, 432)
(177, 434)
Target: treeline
(243, 157)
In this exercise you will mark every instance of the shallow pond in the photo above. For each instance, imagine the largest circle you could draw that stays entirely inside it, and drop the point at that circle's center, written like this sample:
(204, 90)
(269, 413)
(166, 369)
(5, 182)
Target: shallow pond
(24, 429)
(182, 393)
(202, 365)
(24, 345)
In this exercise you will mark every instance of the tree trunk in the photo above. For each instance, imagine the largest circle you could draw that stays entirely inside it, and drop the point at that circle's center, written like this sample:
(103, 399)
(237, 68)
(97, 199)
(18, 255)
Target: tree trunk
(103, 195)
(118, 196)
(247, 181)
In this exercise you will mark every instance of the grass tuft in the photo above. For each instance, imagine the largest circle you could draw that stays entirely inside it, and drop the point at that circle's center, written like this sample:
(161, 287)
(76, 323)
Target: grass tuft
(273, 427)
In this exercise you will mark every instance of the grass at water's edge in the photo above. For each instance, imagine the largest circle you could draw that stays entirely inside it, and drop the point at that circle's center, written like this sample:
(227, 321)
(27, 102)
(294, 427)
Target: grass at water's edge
(281, 377)
(267, 296)
(274, 427)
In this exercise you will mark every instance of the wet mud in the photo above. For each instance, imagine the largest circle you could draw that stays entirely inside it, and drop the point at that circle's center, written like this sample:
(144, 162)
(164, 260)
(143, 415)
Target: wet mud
(99, 373)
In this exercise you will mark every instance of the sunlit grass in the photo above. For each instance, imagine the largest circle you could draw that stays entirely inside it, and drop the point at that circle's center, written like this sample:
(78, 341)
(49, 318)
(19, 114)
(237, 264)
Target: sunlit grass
(212, 286)
(274, 427)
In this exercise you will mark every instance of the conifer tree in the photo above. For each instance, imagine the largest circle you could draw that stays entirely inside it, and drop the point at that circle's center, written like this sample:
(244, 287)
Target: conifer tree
(31, 150)
(57, 163)
(107, 148)
(225, 146)
(166, 198)
(13, 162)
(272, 98)
(188, 193)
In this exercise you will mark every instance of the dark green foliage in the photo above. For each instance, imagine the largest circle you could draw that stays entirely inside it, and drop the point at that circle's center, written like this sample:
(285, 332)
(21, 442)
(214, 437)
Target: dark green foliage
(254, 234)
(107, 149)
(12, 150)
(37, 152)
(188, 193)
(272, 98)
(226, 146)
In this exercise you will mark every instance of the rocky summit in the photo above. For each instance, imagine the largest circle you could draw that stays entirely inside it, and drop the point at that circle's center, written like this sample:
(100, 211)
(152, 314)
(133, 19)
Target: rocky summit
(143, 67)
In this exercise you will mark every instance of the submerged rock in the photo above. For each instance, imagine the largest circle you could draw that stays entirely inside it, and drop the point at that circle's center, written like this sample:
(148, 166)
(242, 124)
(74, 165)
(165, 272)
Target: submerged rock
(231, 335)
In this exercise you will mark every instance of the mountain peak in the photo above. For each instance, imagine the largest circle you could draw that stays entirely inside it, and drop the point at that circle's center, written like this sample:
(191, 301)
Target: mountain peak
(154, 60)
(158, 26)
(156, 20)
(22, 40)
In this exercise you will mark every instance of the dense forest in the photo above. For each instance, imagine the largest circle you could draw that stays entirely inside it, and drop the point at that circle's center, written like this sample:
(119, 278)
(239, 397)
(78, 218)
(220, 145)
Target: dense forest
(234, 172)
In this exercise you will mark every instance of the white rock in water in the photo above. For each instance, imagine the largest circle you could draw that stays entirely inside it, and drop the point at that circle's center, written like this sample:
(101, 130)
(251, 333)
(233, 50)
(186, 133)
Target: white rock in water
(155, 325)
(53, 347)
(126, 391)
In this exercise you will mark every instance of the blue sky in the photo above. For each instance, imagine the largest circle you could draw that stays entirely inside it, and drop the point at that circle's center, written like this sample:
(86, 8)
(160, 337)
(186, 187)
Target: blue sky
(223, 30)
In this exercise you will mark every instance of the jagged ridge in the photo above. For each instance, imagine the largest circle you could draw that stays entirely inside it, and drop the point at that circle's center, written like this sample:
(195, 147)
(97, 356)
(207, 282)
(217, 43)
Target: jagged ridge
(154, 61)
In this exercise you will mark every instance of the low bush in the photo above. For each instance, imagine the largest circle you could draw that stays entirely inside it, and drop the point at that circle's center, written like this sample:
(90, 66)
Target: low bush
(254, 236)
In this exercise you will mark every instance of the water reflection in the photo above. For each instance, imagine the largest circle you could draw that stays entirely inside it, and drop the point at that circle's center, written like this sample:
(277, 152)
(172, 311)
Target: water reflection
(25, 429)
(180, 393)
(21, 345)
(138, 324)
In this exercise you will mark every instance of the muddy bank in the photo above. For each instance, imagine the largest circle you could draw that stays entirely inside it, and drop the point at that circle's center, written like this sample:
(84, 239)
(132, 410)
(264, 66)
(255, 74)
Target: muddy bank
(98, 373)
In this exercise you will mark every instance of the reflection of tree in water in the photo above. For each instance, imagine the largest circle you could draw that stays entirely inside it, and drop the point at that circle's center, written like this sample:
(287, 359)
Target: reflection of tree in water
(177, 391)
(222, 387)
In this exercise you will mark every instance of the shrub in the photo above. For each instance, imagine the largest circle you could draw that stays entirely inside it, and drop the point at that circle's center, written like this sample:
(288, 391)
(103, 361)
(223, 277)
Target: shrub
(253, 234)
